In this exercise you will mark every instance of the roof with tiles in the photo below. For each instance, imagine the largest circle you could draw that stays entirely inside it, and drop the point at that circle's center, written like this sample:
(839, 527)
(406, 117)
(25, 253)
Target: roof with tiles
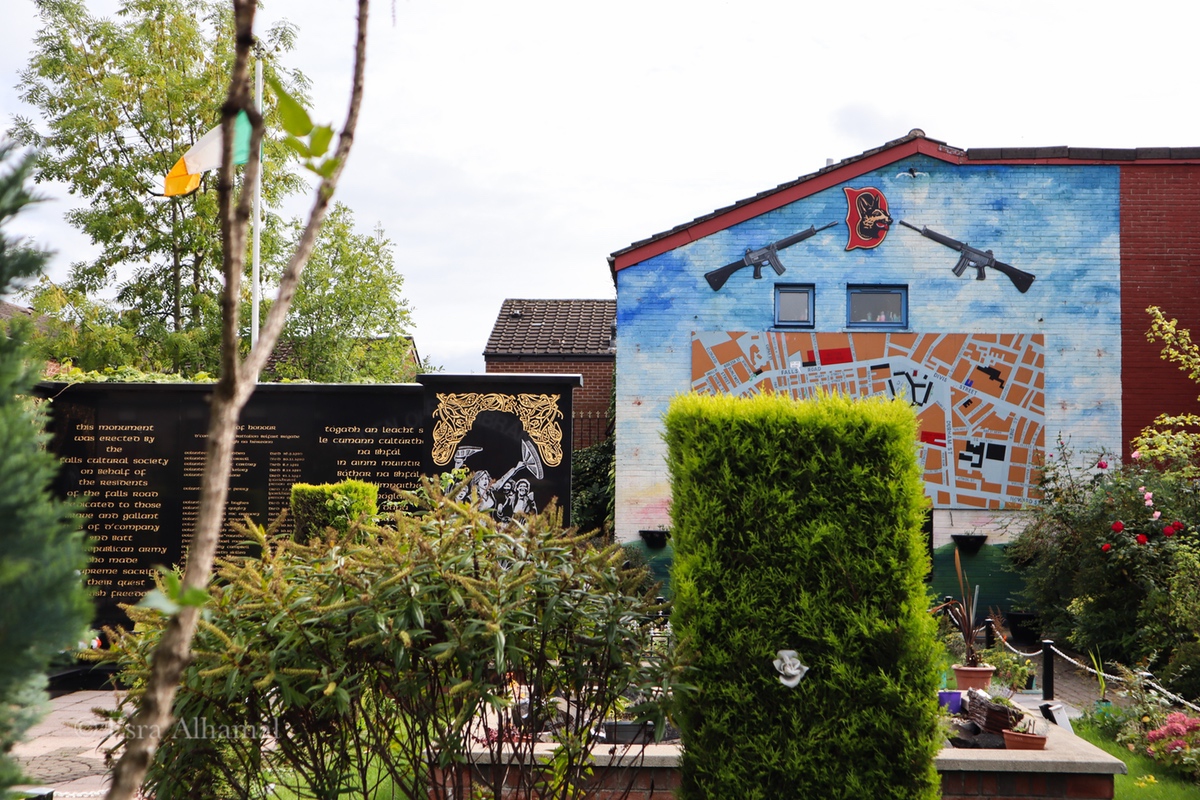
(914, 142)
(10, 310)
(553, 328)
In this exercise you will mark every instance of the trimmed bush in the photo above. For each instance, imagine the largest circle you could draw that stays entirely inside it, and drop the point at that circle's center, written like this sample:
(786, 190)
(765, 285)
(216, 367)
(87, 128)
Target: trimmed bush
(331, 505)
(797, 526)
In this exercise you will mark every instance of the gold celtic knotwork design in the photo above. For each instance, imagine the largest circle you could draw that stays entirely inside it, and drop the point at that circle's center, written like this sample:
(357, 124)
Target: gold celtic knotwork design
(539, 415)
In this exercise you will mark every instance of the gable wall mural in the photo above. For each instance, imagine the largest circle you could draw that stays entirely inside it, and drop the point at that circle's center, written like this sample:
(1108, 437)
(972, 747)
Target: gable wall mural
(1009, 273)
(979, 397)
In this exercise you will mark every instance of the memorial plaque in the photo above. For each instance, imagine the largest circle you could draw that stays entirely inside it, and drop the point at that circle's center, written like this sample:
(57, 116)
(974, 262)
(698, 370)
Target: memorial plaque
(136, 453)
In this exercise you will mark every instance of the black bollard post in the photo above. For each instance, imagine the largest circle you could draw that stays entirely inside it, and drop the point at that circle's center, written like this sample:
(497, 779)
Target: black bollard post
(1047, 669)
(989, 633)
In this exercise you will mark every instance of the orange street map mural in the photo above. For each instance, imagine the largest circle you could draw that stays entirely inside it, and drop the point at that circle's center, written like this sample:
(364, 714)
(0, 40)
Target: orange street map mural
(979, 397)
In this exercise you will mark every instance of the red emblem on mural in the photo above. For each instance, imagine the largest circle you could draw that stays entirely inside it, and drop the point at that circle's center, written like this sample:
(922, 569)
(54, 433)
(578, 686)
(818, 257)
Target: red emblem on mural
(867, 217)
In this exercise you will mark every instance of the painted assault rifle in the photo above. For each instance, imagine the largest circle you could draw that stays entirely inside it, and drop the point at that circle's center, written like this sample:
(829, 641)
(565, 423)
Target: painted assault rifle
(979, 259)
(756, 258)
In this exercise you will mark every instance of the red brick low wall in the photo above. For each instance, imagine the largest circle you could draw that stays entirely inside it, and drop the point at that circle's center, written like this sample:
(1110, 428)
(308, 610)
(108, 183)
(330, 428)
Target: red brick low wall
(1069, 767)
(1013, 785)
(606, 782)
(658, 783)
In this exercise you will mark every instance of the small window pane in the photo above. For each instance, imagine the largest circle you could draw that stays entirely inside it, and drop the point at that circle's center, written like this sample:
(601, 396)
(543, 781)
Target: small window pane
(878, 306)
(794, 305)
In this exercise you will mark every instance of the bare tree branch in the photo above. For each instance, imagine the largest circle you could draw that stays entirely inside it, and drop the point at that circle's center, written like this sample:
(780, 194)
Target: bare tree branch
(236, 384)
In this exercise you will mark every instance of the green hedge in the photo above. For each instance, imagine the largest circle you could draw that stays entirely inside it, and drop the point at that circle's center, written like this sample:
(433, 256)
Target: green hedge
(797, 526)
(331, 505)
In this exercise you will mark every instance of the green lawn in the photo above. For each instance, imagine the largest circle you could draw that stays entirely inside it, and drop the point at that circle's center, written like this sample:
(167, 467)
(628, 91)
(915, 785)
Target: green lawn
(1146, 780)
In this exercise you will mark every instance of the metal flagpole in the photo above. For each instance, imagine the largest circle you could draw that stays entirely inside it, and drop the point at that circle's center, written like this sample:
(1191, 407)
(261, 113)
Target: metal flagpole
(255, 281)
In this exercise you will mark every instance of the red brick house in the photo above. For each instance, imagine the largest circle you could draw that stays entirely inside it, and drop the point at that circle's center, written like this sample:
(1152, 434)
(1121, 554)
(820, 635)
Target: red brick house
(561, 337)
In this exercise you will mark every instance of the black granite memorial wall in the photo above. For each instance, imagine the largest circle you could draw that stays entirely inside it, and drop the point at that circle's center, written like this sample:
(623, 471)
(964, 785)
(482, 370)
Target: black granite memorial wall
(135, 453)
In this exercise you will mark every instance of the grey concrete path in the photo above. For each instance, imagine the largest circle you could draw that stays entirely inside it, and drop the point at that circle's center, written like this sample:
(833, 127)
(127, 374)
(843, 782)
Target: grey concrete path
(64, 750)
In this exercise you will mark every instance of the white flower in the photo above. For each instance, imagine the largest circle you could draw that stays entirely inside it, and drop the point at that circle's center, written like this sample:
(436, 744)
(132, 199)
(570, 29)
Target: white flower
(789, 667)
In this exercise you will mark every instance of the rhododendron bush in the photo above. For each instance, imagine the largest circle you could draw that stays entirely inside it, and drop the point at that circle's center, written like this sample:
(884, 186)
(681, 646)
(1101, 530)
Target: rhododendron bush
(1101, 554)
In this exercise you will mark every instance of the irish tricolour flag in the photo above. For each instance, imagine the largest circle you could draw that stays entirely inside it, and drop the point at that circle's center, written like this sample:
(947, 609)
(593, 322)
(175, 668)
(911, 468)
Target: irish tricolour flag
(204, 155)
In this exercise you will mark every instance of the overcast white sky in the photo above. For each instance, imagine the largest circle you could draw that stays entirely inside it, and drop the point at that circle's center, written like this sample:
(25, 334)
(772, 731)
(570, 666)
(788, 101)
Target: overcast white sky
(508, 147)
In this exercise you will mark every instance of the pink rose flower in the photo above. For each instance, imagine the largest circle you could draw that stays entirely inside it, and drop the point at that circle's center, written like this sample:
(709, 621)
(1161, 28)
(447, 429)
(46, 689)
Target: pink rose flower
(1156, 515)
(1102, 465)
(1135, 455)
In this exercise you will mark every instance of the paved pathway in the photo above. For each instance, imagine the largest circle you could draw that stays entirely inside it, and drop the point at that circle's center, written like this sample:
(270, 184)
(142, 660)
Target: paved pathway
(64, 750)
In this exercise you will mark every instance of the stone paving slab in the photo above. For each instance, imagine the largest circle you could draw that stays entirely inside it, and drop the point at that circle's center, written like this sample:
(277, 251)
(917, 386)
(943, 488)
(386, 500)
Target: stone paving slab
(64, 750)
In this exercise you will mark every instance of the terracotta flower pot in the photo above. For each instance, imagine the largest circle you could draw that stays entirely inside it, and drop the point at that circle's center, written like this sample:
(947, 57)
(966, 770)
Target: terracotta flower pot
(1023, 741)
(973, 677)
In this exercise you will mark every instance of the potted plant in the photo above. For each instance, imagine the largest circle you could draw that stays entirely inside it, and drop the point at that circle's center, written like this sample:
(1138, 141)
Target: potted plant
(1024, 736)
(972, 673)
(1013, 672)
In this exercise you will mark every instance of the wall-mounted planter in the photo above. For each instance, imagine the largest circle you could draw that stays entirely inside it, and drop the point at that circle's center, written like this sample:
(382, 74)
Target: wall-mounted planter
(969, 543)
(655, 540)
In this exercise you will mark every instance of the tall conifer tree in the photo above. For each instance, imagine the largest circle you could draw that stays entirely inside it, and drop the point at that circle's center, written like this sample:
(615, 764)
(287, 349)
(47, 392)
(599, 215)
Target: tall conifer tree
(45, 606)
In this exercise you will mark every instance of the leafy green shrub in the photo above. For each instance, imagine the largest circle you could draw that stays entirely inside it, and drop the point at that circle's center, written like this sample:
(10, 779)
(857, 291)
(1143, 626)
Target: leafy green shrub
(592, 487)
(1098, 555)
(385, 654)
(1182, 673)
(331, 505)
(1013, 671)
(797, 526)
